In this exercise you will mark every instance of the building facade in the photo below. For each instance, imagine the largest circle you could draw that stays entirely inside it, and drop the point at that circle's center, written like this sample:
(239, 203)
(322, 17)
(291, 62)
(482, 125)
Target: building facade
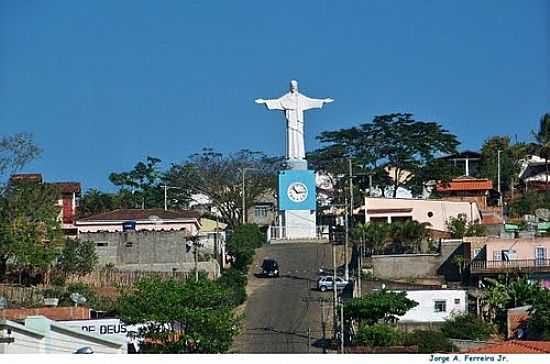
(434, 212)
(435, 305)
(39, 335)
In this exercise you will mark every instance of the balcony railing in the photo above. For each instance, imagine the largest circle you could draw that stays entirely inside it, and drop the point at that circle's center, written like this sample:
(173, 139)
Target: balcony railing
(514, 265)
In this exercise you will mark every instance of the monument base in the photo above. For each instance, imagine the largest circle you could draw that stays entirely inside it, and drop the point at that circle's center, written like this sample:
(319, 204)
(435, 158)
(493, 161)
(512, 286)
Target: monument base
(296, 164)
(300, 224)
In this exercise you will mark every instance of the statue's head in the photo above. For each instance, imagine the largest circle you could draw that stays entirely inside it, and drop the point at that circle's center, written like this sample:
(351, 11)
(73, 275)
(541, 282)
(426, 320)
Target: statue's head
(293, 86)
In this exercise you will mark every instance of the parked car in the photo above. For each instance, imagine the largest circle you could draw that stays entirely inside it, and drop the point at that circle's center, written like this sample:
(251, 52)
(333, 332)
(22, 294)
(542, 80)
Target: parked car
(325, 283)
(270, 268)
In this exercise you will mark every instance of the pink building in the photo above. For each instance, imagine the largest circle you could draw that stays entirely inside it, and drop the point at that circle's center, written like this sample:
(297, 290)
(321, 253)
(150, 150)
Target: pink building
(491, 256)
(141, 219)
(434, 212)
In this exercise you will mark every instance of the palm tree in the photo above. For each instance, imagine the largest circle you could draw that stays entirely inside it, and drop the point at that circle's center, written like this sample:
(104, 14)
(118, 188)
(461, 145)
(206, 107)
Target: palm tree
(496, 298)
(542, 136)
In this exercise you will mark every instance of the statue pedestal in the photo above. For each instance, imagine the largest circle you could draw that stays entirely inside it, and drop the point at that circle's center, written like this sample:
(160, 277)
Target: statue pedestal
(297, 201)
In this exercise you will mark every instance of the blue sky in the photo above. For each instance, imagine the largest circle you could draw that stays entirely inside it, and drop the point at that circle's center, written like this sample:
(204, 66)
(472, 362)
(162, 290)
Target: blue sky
(102, 84)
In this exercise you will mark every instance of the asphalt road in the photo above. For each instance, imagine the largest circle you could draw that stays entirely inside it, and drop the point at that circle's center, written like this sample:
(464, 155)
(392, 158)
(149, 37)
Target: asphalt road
(279, 311)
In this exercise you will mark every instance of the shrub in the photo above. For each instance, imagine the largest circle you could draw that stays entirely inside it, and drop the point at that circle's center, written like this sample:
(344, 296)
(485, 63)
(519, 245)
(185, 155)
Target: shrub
(468, 327)
(428, 341)
(235, 281)
(242, 244)
(383, 305)
(377, 335)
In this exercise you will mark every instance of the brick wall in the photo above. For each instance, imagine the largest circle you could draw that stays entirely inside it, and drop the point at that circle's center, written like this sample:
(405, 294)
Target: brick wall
(53, 313)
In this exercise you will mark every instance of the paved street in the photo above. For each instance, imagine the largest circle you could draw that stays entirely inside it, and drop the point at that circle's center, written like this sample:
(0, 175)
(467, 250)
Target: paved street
(279, 311)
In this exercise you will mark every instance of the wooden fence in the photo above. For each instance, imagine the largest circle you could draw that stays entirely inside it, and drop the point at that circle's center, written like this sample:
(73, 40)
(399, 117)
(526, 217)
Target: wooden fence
(114, 278)
(22, 296)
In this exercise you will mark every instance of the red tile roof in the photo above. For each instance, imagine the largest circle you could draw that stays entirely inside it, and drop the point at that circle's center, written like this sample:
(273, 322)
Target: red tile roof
(514, 347)
(67, 187)
(465, 184)
(27, 177)
(142, 214)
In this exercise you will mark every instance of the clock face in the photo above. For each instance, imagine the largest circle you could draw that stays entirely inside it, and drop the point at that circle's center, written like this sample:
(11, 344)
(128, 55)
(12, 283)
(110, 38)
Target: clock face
(297, 192)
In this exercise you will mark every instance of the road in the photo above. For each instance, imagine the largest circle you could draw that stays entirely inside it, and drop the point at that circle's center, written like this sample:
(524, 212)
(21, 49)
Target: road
(279, 311)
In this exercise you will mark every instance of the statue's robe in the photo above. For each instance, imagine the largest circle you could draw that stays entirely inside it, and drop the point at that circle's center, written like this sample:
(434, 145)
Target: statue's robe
(294, 105)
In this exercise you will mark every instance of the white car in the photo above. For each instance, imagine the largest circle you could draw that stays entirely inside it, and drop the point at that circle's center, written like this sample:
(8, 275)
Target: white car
(325, 283)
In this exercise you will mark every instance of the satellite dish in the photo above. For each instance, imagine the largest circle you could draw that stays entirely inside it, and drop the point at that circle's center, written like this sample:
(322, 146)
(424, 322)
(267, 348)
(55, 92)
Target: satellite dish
(84, 350)
(77, 298)
(155, 219)
(520, 333)
(3, 302)
(543, 214)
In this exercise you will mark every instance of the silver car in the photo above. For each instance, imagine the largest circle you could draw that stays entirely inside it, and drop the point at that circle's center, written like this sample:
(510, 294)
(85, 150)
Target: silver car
(325, 283)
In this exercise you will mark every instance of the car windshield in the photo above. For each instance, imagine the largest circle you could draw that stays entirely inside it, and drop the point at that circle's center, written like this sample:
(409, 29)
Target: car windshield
(269, 264)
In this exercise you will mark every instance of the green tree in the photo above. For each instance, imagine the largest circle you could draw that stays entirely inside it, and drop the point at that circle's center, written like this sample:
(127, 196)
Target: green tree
(30, 233)
(180, 316)
(459, 227)
(242, 244)
(383, 305)
(428, 341)
(219, 178)
(78, 257)
(411, 233)
(539, 317)
(495, 298)
(511, 156)
(16, 151)
(143, 186)
(467, 327)
(542, 136)
(377, 335)
(395, 141)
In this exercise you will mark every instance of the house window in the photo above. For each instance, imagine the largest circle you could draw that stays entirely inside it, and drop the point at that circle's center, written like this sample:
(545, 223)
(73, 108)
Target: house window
(129, 244)
(497, 255)
(457, 301)
(261, 211)
(476, 252)
(101, 243)
(440, 306)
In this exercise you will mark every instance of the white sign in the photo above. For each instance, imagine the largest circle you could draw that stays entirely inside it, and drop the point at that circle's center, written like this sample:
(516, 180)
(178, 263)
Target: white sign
(105, 327)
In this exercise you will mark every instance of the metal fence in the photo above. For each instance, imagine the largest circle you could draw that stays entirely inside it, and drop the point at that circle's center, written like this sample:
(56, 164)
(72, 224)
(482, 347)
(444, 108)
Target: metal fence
(513, 265)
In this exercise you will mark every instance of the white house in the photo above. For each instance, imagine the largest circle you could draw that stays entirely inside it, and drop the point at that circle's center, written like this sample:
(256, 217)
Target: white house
(40, 335)
(434, 212)
(435, 305)
(141, 219)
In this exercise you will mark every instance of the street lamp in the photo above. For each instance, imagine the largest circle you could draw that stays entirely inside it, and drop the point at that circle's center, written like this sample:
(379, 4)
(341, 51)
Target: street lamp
(243, 173)
(166, 188)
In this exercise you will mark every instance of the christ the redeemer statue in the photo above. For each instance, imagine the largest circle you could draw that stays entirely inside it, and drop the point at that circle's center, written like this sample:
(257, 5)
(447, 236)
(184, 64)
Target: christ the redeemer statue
(294, 104)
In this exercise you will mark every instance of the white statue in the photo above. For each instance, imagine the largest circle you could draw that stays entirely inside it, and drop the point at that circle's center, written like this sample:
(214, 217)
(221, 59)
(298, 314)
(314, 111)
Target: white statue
(294, 104)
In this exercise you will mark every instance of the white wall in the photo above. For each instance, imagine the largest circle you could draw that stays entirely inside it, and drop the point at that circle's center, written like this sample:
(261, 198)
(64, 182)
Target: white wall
(41, 335)
(425, 311)
(435, 212)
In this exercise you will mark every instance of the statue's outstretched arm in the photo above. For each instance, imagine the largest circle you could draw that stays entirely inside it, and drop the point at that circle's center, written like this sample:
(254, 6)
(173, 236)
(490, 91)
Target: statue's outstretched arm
(270, 104)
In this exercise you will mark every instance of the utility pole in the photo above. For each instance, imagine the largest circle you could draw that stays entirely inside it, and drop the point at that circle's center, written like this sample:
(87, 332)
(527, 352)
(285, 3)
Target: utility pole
(243, 173)
(323, 325)
(341, 326)
(351, 190)
(196, 256)
(334, 289)
(498, 177)
(308, 339)
(359, 266)
(346, 244)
